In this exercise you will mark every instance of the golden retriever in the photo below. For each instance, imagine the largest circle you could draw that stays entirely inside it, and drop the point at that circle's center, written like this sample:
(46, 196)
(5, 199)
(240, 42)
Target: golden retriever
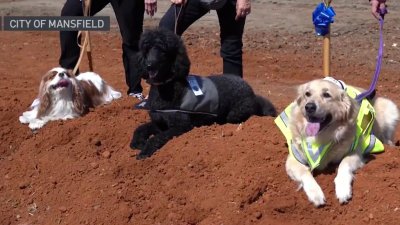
(325, 113)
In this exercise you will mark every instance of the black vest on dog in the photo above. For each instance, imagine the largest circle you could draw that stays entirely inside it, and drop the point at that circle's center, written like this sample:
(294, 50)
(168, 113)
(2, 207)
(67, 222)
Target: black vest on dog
(201, 97)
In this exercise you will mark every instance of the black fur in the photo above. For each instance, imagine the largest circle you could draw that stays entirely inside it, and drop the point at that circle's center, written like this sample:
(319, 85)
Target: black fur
(165, 65)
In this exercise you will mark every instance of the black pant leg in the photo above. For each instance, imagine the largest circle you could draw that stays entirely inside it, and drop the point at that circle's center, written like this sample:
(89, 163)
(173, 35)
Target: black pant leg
(68, 39)
(231, 30)
(231, 39)
(191, 12)
(130, 14)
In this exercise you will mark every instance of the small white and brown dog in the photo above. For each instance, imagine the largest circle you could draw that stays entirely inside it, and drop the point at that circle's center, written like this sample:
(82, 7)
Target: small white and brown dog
(324, 125)
(63, 96)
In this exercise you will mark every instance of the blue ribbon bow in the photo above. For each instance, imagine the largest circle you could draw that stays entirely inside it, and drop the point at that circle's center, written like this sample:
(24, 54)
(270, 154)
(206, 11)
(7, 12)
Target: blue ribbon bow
(322, 17)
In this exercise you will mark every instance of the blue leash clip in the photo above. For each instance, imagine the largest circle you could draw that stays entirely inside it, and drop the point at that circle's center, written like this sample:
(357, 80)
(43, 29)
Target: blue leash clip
(322, 18)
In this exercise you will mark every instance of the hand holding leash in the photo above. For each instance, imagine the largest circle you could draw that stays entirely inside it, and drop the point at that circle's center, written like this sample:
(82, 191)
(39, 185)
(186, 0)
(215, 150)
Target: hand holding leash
(243, 8)
(378, 8)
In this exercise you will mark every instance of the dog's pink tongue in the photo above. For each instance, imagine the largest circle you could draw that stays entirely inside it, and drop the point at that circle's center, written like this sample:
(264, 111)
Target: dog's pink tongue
(312, 129)
(63, 83)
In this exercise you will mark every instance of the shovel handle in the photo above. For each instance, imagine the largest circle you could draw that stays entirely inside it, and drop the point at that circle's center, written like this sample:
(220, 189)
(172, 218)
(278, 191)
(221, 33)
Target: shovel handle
(327, 55)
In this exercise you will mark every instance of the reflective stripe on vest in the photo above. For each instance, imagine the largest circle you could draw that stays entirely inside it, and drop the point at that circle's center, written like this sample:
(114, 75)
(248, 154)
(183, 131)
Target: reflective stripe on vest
(313, 153)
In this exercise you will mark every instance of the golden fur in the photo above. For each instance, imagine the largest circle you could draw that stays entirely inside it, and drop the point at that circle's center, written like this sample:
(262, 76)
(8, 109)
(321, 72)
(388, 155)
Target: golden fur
(325, 103)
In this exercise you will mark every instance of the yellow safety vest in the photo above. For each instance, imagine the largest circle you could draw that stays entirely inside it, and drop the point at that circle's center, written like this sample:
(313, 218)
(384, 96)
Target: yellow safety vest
(365, 142)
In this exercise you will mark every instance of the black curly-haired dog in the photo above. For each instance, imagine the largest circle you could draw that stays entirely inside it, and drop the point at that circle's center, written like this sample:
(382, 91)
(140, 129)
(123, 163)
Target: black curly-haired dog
(178, 101)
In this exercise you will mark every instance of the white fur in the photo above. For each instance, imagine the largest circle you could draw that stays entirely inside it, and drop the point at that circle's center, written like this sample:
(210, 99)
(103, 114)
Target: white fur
(344, 177)
(62, 106)
(387, 116)
(110, 93)
(301, 174)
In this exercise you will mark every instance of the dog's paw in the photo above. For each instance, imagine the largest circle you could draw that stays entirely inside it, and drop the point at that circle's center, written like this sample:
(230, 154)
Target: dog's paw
(317, 197)
(142, 156)
(148, 150)
(314, 193)
(36, 124)
(23, 120)
(27, 116)
(135, 144)
(343, 189)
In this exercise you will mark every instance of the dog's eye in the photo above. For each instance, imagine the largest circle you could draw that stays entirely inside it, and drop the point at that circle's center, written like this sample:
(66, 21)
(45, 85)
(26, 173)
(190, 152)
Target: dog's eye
(308, 94)
(326, 95)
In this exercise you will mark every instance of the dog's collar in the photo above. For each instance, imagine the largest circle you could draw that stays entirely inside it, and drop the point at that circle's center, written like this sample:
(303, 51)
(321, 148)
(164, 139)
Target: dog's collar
(160, 83)
(339, 83)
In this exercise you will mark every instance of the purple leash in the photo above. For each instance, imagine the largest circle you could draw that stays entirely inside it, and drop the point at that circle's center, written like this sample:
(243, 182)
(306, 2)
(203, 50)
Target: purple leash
(372, 87)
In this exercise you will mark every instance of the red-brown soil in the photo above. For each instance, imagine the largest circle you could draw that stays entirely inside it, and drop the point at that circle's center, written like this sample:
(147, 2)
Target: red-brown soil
(82, 171)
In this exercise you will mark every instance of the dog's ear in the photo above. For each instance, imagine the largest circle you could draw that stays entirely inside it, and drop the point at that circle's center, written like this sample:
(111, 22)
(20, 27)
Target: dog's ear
(176, 47)
(138, 63)
(44, 95)
(78, 98)
(181, 67)
(300, 93)
(45, 102)
(348, 107)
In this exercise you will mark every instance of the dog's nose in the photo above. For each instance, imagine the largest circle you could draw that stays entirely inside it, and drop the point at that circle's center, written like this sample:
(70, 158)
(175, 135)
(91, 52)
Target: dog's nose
(61, 74)
(151, 65)
(310, 108)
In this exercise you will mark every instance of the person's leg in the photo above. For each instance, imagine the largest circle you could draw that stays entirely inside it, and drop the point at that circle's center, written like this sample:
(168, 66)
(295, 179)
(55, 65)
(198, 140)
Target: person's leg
(231, 39)
(191, 12)
(68, 39)
(129, 14)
